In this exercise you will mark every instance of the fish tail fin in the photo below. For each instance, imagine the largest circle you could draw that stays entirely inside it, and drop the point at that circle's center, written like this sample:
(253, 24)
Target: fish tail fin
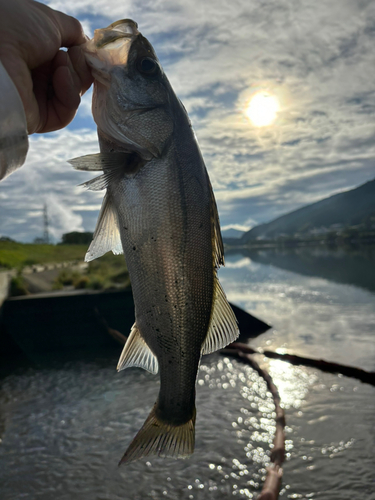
(161, 439)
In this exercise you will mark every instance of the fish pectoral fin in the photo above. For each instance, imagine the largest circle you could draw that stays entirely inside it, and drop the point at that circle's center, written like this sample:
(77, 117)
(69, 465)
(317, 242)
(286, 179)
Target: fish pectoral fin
(137, 353)
(114, 165)
(223, 328)
(99, 161)
(161, 439)
(107, 233)
(96, 184)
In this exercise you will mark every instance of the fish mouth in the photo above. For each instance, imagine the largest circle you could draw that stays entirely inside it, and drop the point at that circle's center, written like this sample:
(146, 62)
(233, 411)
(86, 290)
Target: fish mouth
(125, 28)
(110, 47)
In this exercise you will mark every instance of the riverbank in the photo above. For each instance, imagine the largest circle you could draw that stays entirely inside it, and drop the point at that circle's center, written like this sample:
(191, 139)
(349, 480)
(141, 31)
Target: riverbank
(349, 238)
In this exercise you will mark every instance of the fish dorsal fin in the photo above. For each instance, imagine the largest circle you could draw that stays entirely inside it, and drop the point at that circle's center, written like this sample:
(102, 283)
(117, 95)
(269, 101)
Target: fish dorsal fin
(218, 246)
(137, 353)
(107, 232)
(223, 328)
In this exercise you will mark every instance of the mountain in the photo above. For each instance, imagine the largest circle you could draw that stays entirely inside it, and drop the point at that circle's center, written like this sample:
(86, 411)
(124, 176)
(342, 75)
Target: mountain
(350, 208)
(231, 233)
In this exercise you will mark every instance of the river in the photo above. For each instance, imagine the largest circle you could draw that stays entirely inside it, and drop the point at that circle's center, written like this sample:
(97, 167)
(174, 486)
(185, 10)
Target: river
(63, 430)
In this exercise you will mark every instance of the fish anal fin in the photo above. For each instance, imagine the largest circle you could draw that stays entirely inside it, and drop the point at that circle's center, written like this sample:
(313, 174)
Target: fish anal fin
(161, 439)
(137, 353)
(223, 327)
(107, 233)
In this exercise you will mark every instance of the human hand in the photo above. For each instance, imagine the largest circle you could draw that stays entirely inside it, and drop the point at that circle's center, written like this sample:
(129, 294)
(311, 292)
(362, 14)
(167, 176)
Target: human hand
(49, 80)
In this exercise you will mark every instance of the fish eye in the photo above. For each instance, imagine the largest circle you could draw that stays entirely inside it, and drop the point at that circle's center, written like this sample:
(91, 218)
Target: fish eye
(148, 66)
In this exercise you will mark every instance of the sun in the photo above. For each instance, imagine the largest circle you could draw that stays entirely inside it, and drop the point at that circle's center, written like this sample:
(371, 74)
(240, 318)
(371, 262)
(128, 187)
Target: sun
(262, 109)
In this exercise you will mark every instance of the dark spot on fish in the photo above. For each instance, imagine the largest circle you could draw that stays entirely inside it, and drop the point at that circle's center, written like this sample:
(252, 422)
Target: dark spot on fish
(200, 225)
(125, 228)
(134, 248)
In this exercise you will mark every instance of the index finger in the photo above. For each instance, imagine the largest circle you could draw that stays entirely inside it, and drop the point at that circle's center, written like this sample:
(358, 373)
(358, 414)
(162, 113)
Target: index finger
(69, 28)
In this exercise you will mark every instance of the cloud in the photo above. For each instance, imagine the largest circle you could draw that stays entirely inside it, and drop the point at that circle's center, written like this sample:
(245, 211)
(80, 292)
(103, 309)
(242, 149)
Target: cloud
(47, 178)
(317, 57)
(239, 227)
(61, 220)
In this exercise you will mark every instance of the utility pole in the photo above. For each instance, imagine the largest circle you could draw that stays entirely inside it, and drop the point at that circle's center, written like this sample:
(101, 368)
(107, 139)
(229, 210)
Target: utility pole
(45, 220)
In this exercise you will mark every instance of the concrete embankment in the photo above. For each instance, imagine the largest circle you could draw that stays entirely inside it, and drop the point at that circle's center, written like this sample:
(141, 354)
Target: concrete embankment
(40, 278)
(5, 279)
(74, 325)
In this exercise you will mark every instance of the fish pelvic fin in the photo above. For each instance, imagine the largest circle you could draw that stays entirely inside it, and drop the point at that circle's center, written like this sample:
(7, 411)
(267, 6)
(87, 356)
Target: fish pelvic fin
(137, 353)
(223, 328)
(107, 233)
(158, 438)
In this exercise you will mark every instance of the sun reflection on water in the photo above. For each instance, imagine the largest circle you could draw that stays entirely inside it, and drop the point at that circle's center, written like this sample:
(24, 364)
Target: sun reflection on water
(293, 382)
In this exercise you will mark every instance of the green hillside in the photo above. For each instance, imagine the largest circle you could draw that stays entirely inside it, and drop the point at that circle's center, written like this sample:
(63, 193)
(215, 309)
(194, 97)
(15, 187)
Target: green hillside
(18, 255)
(109, 271)
(354, 208)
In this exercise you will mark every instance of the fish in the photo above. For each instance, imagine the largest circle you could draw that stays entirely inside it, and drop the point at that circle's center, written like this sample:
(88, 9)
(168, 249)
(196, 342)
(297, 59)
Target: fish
(160, 211)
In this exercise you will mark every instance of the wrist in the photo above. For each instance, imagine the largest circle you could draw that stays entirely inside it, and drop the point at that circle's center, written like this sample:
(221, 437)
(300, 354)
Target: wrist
(14, 141)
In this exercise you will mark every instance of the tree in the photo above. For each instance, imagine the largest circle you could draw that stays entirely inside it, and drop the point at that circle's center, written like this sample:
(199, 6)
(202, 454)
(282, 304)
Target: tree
(76, 238)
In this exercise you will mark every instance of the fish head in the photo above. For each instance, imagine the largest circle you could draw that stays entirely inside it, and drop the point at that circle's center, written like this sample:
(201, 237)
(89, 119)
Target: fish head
(133, 101)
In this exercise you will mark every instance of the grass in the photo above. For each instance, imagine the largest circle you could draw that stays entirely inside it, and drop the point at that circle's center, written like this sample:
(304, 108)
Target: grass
(19, 255)
(109, 271)
(18, 286)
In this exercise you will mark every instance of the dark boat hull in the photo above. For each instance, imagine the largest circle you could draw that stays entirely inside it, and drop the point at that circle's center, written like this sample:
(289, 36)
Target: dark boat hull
(48, 328)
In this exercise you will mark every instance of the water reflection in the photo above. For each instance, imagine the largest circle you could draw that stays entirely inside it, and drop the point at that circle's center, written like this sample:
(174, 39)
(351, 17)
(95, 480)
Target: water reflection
(66, 429)
(354, 266)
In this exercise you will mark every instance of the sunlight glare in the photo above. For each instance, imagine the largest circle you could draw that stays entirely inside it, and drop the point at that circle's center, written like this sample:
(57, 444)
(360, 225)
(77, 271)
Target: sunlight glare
(262, 109)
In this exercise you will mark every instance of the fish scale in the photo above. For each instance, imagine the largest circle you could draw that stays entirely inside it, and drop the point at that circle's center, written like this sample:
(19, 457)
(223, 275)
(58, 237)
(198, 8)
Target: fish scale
(159, 209)
(165, 273)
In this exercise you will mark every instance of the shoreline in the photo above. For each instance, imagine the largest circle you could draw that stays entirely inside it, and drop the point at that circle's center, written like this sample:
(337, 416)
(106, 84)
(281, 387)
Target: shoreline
(297, 243)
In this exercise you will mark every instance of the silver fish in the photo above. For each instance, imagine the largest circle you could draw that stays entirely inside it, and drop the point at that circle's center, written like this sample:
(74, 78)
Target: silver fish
(160, 210)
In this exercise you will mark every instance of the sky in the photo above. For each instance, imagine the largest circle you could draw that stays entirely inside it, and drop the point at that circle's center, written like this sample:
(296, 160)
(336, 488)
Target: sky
(315, 58)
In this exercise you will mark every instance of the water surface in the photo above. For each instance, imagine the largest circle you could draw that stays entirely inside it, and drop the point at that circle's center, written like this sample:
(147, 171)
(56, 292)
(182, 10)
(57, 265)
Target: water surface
(64, 430)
